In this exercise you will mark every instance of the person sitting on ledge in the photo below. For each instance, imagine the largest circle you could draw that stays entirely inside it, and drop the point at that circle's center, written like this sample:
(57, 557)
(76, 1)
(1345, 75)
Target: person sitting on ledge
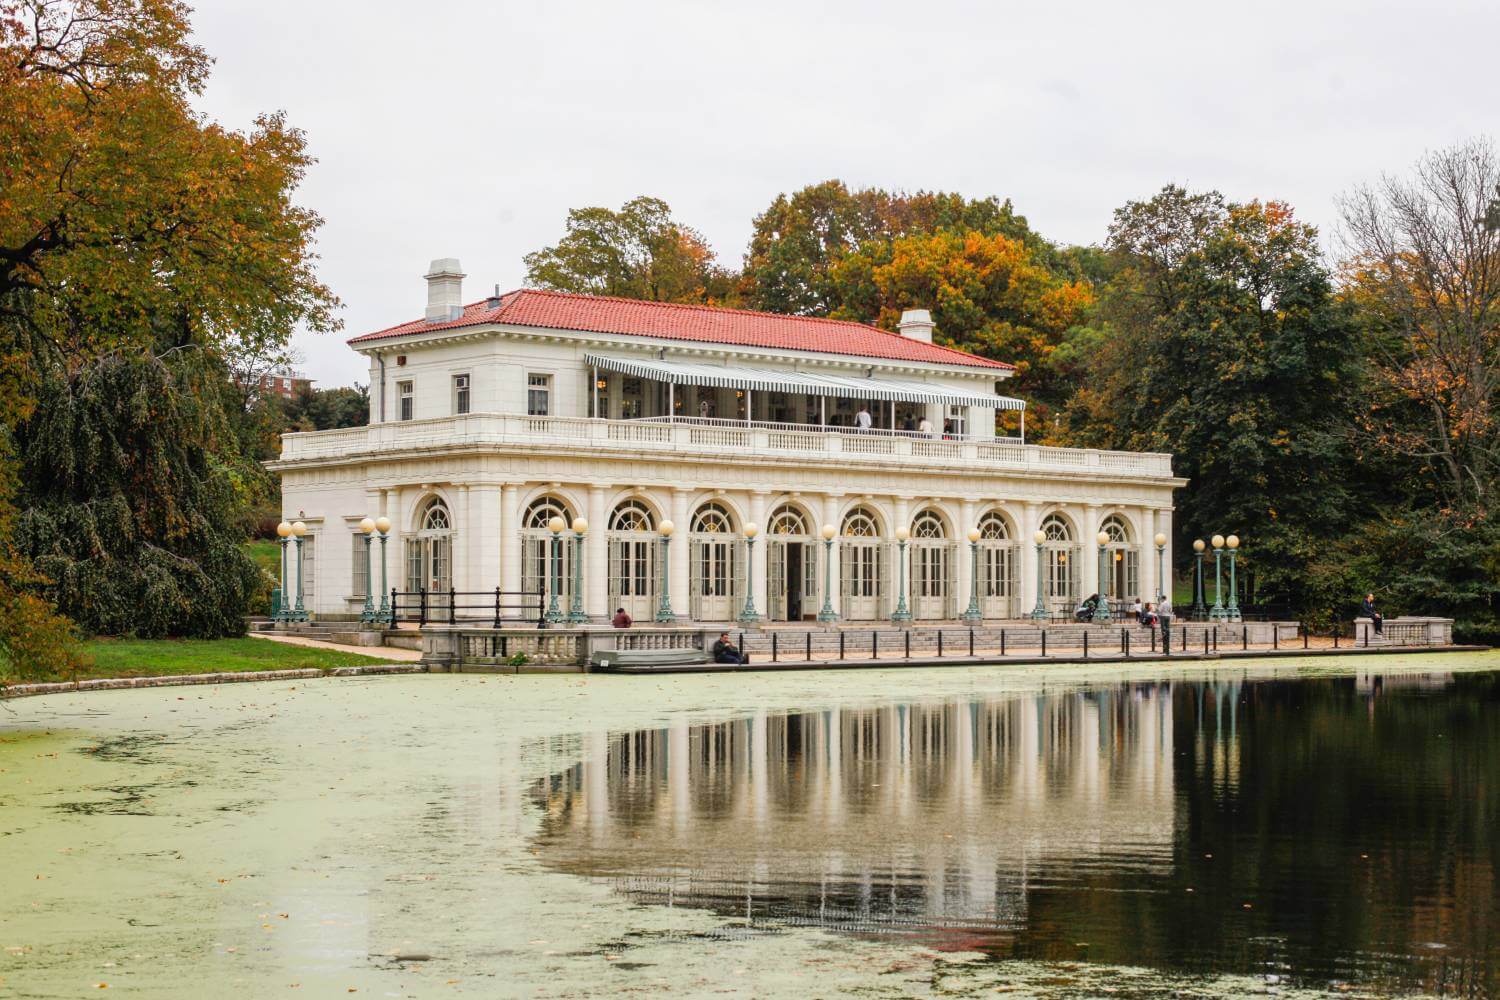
(1147, 616)
(1367, 610)
(727, 652)
(621, 619)
(1085, 610)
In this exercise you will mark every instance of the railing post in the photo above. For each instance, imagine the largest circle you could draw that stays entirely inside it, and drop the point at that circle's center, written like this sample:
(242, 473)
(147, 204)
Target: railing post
(773, 647)
(497, 607)
(841, 644)
(392, 622)
(874, 644)
(1153, 638)
(1335, 637)
(1367, 637)
(940, 644)
(1127, 642)
(1205, 640)
(1245, 638)
(1085, 644)
(452, 606)
(421, 606)
(907, 635)
(1275, 637)
(808, 645)
(1302, 627)
(1044, 642)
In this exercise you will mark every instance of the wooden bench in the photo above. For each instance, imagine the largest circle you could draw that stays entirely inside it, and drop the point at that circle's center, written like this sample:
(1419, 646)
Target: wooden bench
(645, 659)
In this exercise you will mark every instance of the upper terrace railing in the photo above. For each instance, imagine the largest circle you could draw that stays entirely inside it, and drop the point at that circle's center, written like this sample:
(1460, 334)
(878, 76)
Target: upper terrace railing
(723, 438)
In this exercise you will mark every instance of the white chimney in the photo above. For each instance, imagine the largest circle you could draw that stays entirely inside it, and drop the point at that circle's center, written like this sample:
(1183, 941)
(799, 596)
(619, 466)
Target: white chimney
(915, 323)
(445, 290)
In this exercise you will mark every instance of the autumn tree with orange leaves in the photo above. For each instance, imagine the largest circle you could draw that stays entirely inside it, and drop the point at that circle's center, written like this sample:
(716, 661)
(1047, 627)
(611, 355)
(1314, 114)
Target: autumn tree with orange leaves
(133, 231)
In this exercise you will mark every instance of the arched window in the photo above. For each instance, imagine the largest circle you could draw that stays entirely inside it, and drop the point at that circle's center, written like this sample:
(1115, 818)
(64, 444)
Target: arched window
(787, 520)
(993, 527)
(715, 565)
(712, 519)
(547, 562)
(429, 552)
(633, 548)
(861, 523)
(1056, 529)
(928, 525)
(543, 510)
(436, 517)
(1118, 531)
(632, 515)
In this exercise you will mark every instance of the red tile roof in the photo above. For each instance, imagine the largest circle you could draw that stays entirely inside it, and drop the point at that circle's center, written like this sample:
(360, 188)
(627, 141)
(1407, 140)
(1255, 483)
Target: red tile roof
(705, 324)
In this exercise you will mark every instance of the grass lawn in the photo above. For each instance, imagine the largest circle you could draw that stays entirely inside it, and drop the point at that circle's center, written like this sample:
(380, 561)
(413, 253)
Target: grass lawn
(267, 555)
(162, 657)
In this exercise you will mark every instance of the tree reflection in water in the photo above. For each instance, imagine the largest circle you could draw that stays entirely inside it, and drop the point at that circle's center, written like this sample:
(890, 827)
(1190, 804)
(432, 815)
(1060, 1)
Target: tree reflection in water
(1325, 831)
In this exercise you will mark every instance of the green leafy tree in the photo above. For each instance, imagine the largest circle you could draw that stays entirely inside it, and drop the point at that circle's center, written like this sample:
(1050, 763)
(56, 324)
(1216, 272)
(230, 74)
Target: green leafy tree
(1223, 342)
(801, 239)
(131, 509)
(127, 221)
(639, 252)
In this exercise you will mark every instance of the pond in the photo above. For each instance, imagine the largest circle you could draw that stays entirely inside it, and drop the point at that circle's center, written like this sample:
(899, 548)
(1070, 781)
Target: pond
(1301, 827)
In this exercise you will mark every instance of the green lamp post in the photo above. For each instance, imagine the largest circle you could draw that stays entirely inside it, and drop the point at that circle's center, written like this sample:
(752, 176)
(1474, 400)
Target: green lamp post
(1161, 566)
(1101, 610)
(902, 612)
(386, 613)
(827, 614)
(367, 616)
(282, 612)
(1039, 613)
(299, 530)
(1200, 603)
(748, 614)
(664, 613)
(576, 614)
(972, 612)
(1216, 613)
(554, 574)
(1232, 611)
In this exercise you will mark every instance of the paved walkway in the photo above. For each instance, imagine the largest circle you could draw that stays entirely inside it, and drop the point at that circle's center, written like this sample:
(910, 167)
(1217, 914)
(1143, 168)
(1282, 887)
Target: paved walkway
(390, 653)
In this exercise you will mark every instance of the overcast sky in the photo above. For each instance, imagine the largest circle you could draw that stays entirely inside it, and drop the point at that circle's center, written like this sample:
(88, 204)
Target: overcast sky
(468, 129)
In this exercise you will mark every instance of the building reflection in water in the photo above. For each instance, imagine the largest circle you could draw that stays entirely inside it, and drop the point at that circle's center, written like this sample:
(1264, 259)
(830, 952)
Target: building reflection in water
(938, 819)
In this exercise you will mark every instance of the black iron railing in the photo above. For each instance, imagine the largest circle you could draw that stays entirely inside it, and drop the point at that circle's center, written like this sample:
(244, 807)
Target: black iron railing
(519, 607)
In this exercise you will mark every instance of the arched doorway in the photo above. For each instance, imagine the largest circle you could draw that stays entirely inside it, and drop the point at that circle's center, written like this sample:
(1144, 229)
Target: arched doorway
(791, 566)
(429, 551)
(715, 569)
(1121, 581)
(997, 567)
(1060, 564)
(862, 566)
(539, 573)
(633, 548)
(931, 567)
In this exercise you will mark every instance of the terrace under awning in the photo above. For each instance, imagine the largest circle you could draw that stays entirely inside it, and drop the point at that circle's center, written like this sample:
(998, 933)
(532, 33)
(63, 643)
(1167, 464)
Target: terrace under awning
(811, 383)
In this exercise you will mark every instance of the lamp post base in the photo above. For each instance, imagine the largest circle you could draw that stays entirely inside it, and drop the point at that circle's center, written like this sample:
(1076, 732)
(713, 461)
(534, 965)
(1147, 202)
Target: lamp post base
(1039, 614)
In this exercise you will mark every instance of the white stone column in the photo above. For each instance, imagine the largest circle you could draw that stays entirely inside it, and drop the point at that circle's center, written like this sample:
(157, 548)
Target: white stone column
(1030, 521)
(1148, 554)
(831, 570)
(1089, 574)
(510, 540)
(758, 560)
(483, 519)
(681, 556)
(462, 558)
(967, 520)
(395, 509)
(596, 557)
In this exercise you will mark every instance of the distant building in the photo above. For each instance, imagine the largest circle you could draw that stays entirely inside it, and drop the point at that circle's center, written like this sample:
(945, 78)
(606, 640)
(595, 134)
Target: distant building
(285, 386)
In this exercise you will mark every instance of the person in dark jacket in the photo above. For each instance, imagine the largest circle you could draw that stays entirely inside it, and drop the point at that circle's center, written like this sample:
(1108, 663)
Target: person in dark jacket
(621, 619)
(1367, 610)
(727, 652)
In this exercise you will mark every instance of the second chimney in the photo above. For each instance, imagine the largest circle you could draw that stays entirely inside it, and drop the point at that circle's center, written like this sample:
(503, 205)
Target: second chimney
(916, 324)
(445, 290)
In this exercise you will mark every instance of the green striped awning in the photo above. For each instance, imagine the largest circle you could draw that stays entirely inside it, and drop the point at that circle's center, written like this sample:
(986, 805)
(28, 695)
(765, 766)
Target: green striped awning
(812, 383)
